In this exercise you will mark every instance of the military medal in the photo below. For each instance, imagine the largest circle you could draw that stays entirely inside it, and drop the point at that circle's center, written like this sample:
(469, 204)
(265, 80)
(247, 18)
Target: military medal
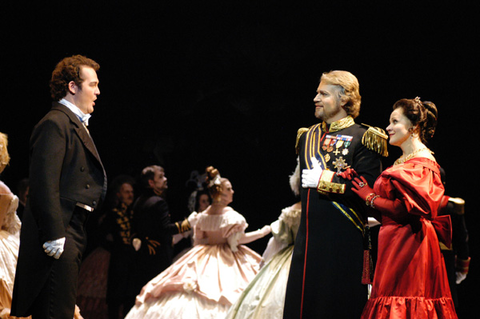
(338, 145)
(326, 143)
(327, 157)
(332, 142)
(340, 164)
(347, 143)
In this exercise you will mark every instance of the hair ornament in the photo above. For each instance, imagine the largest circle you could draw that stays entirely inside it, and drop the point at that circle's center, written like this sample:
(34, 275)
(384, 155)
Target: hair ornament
(215, 181)
(418, 101)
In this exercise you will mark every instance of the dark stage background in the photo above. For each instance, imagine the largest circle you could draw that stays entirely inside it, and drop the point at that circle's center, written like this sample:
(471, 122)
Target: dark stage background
(228, 83)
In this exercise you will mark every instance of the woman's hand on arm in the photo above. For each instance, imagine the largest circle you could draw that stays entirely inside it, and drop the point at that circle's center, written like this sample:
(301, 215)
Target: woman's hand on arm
(384, 205)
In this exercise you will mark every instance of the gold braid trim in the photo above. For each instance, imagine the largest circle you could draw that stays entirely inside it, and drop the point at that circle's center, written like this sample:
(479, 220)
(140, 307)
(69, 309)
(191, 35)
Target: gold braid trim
(184, 226)
(326, 186)
(152, 244)
(462, 265)
(338, 125)
(299, 134)
(375, 140)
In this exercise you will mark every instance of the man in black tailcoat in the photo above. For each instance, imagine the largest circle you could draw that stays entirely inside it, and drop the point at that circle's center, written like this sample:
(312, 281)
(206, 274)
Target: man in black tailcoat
(67, 183)
(153, 227)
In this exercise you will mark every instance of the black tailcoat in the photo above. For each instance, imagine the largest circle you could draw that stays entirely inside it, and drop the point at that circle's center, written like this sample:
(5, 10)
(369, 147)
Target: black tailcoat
(65, 170)
(152, 225)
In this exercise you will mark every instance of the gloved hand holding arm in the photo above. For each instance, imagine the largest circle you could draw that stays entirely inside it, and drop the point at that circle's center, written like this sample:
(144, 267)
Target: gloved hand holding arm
(387, 206)
(311, 177)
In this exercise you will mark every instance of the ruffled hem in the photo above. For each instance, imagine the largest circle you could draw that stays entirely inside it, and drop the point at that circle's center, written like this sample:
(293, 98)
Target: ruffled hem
(212, 272)
(409, 307)
(179, 305)
(265, 295)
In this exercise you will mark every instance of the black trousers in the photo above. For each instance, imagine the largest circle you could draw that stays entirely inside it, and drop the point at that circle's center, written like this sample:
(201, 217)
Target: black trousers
(58, 296)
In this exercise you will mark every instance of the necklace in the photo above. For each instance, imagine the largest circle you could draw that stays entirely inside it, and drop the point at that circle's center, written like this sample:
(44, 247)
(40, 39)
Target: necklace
(402, 160)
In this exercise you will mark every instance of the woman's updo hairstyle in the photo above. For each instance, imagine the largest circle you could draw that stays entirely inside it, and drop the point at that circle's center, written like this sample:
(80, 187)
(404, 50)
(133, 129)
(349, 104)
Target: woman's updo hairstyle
(423, 114)
(214, 182)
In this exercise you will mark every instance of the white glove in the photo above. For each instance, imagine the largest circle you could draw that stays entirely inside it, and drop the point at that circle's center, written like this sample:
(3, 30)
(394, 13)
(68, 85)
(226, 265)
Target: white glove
(54, 248)
(311, 177)
(136, 243)
(372, 222)
(460, 277)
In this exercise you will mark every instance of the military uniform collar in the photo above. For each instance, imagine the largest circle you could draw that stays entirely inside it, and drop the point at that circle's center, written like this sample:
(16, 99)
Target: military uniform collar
(338, 125)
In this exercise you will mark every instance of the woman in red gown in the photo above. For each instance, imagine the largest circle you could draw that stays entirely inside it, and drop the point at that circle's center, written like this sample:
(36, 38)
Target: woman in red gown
(410, 278)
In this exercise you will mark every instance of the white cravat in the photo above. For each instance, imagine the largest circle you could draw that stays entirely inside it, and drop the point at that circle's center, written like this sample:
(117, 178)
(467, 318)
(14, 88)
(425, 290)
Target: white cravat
(72, 107)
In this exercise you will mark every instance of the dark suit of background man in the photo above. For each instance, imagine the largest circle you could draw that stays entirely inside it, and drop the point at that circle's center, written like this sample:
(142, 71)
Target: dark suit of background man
(152, 225)
(67, 183)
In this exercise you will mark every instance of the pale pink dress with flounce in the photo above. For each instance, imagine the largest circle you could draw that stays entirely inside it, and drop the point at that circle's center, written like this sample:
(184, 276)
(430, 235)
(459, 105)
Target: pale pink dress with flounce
(208, 279)
(9, 243)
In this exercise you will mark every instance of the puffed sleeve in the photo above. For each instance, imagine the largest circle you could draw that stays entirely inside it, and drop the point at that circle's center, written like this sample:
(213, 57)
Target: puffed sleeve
(233, 227)
(287, 225)
(284, 231)
(419, 185)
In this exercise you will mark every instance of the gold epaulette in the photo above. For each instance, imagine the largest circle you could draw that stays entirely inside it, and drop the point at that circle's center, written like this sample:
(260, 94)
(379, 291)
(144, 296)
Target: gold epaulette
(458, 205)
(375, 140)
(299, 134)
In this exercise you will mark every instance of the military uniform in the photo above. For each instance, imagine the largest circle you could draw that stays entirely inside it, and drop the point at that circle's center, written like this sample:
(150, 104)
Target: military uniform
(325, 278)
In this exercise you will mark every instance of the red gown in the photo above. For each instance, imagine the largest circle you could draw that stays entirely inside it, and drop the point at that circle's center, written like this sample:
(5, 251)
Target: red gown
(410, 278)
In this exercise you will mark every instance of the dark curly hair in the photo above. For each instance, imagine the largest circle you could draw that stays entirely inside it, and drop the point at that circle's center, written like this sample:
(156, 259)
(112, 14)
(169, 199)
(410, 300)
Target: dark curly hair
(69, 70)
(424, 114)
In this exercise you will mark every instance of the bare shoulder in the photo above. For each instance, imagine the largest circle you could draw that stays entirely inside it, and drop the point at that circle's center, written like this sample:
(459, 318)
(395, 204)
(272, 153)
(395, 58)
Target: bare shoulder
(4, 190)
(427, 154)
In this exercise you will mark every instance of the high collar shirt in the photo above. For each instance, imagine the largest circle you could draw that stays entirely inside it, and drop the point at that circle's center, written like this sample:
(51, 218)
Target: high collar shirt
(72, 107)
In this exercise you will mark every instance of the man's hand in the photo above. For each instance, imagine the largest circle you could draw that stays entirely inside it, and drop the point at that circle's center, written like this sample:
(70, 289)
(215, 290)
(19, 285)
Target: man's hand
(54, 248)
(311, 177)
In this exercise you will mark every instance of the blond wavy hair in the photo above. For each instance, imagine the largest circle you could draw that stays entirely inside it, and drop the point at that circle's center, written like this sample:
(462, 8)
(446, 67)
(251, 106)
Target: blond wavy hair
(349, 89)
(4, 156)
